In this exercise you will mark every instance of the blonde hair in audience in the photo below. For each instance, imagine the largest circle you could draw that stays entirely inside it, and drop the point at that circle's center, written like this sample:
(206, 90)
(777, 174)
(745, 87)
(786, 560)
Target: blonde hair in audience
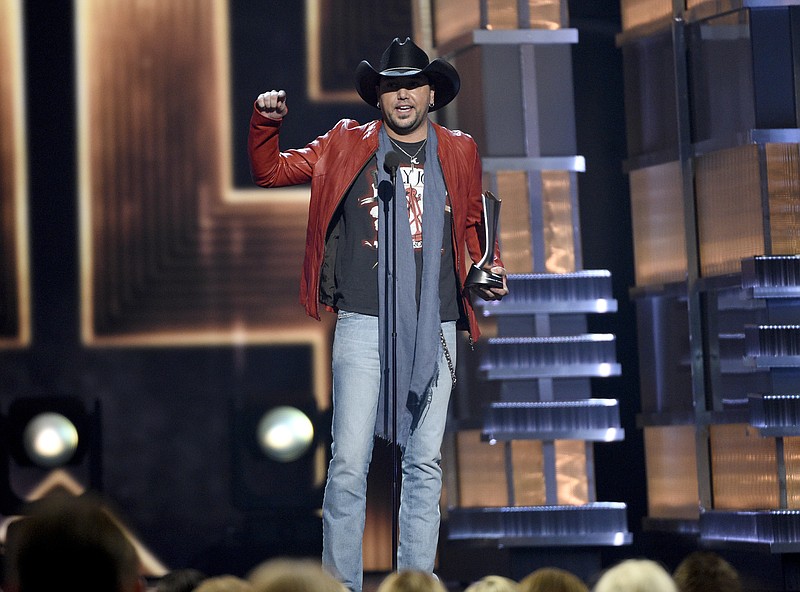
(225, 583)
(636, 575)
(293, 575)
(411, 581)
(493, 583)
(552, 579)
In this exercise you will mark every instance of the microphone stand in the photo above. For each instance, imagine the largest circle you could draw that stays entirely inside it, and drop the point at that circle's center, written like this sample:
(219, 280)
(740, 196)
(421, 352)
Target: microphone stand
(391, 163)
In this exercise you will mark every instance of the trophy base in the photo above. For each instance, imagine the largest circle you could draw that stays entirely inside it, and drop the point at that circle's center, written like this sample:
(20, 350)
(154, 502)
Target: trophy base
(483, 278)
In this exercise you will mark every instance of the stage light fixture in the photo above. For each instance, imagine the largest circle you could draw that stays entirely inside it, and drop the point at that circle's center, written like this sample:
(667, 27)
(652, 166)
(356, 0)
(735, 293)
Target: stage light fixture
(41, 435)
(48, 432)
(50, 440)
(276, 460)
(285, 433)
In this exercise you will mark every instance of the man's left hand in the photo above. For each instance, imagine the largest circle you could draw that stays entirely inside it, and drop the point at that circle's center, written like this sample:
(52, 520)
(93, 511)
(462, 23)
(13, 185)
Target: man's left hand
(493, 293)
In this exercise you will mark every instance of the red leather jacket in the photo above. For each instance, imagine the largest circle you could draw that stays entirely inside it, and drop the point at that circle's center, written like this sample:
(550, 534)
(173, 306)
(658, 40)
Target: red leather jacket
(333, 161)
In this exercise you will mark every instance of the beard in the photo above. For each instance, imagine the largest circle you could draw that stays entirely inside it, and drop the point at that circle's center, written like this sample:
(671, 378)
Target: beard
(406, 122)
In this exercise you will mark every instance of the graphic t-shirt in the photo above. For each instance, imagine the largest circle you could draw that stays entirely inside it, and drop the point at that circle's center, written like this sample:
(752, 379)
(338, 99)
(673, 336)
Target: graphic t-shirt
(356, 271)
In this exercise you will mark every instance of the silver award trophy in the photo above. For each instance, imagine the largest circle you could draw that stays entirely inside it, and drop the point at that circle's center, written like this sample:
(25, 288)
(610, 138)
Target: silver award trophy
(478, 276)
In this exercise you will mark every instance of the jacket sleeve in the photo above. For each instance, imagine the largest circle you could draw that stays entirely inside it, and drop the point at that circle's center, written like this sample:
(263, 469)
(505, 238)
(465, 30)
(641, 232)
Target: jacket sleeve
(475, 223)
(269, 166)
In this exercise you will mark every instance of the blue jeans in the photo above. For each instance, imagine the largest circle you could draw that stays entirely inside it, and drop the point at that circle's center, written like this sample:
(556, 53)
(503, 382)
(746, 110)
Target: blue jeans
(356, 384)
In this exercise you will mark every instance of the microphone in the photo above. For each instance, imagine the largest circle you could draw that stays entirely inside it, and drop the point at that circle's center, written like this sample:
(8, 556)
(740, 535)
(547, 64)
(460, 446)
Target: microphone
(386, 189)
(390, 163)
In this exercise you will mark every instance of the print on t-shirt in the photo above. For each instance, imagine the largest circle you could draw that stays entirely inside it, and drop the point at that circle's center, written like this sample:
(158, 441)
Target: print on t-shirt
(371, 202)
(414, 181)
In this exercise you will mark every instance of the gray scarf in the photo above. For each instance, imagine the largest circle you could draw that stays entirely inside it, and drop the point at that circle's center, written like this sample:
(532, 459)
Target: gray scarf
(418, 345)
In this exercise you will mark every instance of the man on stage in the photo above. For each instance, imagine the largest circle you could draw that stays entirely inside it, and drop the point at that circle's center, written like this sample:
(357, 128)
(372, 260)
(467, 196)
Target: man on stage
(350, 244)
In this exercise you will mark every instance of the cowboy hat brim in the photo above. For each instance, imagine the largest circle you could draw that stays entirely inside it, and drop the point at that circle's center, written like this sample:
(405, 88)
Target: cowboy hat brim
(441, 75)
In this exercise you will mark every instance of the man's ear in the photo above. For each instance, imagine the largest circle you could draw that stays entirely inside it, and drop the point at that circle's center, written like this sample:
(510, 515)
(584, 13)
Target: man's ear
(431, 98)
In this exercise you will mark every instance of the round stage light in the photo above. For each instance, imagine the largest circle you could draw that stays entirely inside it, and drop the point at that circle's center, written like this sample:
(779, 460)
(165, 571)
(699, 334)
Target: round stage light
(50, 439)
(285, 433)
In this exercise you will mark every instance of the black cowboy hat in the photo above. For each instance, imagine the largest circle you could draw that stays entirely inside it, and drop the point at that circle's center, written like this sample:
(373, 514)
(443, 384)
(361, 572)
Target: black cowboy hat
(404, 58)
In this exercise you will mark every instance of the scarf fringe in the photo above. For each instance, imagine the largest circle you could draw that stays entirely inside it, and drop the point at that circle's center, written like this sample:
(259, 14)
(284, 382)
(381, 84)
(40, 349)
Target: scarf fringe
(418, 414)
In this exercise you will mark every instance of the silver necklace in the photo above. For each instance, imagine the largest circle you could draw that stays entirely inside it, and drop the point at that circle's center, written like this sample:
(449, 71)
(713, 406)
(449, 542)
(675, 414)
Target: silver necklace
(414, 157)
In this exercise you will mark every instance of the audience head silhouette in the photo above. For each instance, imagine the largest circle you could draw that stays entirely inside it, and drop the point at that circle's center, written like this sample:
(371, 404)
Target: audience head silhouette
(69, 542)
(493, 583)
(705, 571)
(224, 583)
(293, 575)
(552, 579)
(411, 581)
(636, 575)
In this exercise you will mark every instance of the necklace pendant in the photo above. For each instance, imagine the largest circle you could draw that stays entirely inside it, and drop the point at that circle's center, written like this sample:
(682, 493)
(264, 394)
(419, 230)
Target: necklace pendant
(414, 160)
